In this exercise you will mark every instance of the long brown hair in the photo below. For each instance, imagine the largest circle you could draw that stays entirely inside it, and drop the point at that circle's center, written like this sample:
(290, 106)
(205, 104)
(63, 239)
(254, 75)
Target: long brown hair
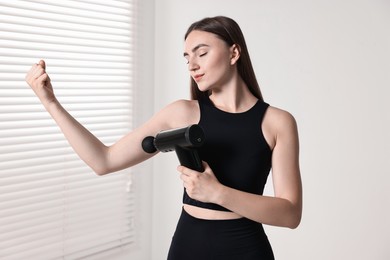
(229, 31)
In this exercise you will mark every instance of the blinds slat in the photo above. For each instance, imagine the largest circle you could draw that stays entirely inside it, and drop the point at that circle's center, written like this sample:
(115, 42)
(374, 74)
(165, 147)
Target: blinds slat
(25, 64)
(70, 72)
(82, 115)
(36, 54)
(65, 78)
(13, 123)
(21, 37)
(63, 47)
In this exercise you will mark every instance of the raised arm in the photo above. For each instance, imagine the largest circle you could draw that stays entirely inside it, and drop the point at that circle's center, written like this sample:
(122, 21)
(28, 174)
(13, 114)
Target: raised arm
(102, 159)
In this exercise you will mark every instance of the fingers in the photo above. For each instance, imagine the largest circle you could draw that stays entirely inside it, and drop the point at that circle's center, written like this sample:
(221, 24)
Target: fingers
(36, 70)
(42, 63)
(189, 182)
(37, 73)
(186, 173)
(43, 78)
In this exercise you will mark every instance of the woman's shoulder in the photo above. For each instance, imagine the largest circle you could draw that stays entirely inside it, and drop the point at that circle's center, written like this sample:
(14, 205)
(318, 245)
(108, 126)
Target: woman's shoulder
(279, 116)
(279, 122)
(182, 106)
(181, 112)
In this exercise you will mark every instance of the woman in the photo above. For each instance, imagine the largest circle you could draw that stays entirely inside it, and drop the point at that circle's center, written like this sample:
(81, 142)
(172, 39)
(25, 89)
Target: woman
(223, 207)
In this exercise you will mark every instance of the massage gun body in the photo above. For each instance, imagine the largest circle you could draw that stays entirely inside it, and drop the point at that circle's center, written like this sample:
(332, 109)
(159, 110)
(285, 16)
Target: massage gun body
(184, 141)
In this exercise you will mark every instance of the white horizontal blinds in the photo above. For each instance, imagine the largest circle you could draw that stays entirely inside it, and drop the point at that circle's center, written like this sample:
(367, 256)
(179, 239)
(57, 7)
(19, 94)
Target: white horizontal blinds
(52, 206)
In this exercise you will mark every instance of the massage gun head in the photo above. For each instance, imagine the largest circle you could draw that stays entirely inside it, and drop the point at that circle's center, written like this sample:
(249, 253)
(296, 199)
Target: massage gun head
(165, 141)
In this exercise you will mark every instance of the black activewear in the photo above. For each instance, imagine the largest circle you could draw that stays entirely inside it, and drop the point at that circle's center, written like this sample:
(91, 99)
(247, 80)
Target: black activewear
(240, 158)
(236, 239)
(235, 149)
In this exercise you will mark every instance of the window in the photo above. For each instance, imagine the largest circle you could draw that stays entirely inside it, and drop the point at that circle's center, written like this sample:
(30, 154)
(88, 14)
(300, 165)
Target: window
(52, 206)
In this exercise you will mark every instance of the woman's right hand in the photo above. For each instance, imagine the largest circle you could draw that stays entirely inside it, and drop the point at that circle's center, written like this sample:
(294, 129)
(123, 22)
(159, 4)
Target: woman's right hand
(40, 83)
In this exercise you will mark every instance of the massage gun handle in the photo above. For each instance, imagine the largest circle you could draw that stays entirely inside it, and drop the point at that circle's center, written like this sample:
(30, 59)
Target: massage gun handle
(189, 158)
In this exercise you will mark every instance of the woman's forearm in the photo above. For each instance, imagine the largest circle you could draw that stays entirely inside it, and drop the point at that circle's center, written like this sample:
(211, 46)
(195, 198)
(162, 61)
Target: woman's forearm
(89, 148)
(267, 210)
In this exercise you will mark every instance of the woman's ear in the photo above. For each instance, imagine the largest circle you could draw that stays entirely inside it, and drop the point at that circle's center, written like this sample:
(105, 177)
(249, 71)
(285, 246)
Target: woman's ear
(235, 52)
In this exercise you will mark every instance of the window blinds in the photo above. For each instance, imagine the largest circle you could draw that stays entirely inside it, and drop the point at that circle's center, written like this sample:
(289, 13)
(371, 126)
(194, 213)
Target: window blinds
(52, 206)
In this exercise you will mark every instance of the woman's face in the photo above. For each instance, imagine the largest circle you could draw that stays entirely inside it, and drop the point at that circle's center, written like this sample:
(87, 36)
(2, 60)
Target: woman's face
(209, 60)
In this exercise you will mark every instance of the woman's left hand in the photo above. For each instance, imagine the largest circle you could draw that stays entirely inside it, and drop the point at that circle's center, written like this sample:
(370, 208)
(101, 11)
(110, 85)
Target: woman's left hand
(201, 186)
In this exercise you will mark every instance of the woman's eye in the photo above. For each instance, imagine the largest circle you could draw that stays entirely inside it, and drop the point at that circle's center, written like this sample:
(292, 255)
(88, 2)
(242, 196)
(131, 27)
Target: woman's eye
(203, 54)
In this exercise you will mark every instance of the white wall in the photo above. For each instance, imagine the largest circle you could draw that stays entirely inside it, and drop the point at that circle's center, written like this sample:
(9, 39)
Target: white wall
(327, 62)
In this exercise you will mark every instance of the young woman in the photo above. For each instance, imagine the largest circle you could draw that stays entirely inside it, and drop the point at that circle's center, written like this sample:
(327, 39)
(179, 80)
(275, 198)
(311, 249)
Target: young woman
(223, 207)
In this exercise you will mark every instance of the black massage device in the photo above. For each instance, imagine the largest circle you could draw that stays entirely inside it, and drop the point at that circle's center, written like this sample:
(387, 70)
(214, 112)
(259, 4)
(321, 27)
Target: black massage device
(184, 141)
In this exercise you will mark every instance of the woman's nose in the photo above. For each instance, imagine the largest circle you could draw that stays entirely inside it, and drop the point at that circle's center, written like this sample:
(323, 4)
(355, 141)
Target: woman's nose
(192, 65)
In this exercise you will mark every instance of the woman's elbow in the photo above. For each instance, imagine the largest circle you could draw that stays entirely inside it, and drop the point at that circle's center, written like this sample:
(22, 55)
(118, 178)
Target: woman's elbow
(294, 219)
(100, 173)
(101, 169)
(294, 223)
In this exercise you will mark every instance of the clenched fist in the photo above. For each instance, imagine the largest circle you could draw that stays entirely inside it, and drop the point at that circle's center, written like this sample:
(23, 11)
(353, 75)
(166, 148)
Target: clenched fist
(40, 83)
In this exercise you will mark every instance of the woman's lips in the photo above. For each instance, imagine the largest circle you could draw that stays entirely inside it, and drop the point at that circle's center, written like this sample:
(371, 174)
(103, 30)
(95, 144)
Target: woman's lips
(198, 77)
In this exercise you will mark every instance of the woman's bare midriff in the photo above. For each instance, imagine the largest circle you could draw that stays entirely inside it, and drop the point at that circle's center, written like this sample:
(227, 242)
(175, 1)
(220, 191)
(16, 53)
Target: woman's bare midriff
(209, 214)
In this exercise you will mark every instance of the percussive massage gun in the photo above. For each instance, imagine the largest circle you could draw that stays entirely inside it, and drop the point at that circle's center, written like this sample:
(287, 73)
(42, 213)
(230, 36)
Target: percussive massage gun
(184, 141)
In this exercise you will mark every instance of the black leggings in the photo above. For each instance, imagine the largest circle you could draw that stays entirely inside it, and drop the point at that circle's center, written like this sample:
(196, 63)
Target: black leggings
(237, 239)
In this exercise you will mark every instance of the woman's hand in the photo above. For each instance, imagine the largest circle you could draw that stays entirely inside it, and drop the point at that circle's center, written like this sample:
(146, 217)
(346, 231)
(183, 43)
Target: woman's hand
(201, 186)
(39, 82)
